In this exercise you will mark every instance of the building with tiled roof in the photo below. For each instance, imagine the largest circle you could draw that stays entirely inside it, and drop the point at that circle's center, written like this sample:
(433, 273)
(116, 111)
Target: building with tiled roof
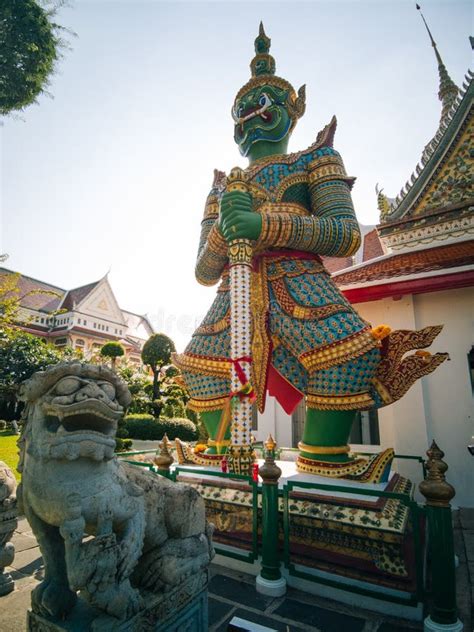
(418, 270)
(414, 269)
(84, 318)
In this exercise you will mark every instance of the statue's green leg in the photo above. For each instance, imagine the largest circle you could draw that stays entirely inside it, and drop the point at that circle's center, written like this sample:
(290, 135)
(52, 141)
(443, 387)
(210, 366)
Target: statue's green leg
(326, 435)
(211, 420)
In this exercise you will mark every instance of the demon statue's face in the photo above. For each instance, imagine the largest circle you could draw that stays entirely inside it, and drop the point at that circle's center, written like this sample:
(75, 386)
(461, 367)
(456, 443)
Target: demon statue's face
(261, 114)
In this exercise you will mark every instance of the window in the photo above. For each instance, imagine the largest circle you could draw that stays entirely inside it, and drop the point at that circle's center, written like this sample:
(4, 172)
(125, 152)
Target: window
(80, 342)
(254, 417)
(365, 429)
(84, 322)
(470, 360)
(297, 424)
(60, 342)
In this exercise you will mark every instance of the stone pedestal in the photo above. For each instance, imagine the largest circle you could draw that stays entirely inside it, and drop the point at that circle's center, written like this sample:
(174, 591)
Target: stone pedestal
(181, 610)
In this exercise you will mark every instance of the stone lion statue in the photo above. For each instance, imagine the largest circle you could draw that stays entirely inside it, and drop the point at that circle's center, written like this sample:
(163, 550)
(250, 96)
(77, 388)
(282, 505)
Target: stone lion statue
(148, 532)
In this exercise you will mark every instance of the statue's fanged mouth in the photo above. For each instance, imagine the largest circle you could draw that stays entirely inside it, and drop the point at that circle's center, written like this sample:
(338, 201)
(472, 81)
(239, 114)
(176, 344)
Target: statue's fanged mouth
(89, 420)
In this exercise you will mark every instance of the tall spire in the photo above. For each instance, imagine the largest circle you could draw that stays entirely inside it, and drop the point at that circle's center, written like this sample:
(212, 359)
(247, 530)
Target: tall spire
(448, 90)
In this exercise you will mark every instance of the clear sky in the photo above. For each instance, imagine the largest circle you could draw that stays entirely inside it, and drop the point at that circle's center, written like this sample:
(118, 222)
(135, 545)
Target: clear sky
(113, 172)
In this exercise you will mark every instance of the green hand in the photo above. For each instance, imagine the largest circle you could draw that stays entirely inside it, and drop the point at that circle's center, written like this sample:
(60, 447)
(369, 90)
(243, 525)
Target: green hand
(237, 220)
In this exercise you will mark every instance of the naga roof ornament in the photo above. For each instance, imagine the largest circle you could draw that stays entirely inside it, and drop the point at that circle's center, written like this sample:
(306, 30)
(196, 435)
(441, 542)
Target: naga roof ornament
(455, 103)
(448, 90)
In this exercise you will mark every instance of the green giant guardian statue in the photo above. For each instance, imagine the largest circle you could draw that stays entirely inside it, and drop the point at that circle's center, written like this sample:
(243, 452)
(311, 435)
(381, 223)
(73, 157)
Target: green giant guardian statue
(307, 340)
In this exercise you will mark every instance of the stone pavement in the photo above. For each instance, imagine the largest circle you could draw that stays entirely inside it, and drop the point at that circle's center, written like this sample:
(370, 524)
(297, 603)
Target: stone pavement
(233, 594)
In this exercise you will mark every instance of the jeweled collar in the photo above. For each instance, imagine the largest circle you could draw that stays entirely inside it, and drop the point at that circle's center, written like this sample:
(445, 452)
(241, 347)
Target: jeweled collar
(325, 138)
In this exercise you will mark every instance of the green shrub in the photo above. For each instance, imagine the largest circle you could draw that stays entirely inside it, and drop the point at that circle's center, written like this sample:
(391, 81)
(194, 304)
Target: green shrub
(3, 424)
(123, 445)
(146, 427)
(141, 426)
(173, 408)
(180, 428)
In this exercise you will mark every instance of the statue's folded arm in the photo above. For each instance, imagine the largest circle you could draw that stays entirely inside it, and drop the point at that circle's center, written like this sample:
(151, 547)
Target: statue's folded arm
(212, 252)
(332, 227)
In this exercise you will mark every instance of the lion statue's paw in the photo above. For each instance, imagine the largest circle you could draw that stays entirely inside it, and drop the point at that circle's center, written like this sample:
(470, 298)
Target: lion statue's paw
(53, 599)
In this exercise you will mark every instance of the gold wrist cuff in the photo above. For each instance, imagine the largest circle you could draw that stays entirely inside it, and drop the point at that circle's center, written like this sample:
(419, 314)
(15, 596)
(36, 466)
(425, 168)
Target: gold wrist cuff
(322, 449)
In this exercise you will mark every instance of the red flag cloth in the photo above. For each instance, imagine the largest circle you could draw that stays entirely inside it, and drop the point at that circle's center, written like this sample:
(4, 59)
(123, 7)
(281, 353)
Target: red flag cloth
(285, 393)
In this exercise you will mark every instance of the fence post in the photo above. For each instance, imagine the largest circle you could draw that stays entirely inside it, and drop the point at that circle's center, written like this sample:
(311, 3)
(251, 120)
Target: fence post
(164, 459)
(270, 581)
(438, 492)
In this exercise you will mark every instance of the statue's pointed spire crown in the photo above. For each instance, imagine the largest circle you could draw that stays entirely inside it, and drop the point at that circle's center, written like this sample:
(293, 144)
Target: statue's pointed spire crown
(262, 41)
(263, 63)
(263, 68)
(448, 90)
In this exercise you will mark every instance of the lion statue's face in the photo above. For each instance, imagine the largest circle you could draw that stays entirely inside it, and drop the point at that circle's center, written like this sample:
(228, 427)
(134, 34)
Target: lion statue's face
(72, 412)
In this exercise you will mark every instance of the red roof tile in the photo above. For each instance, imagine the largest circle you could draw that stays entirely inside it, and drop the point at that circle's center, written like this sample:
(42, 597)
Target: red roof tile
(396, 265)
(74, 297)
(333, 264)
(35, 294)
(372, 246)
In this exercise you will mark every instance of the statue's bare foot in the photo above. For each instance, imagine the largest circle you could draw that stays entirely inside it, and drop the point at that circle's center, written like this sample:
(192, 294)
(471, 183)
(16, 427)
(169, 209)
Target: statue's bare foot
(52, 598)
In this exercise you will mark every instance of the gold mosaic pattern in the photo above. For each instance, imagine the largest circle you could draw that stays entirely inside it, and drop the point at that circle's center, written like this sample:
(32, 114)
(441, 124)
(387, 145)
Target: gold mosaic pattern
(358, 401)
(202, 364)
(338, 352)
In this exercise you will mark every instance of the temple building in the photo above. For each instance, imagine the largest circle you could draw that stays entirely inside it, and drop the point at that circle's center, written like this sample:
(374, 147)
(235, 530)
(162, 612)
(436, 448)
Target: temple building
(414, 269)
(84, 318)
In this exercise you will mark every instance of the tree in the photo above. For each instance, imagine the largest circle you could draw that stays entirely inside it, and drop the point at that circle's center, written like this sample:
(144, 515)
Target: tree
(112, 350)
(156, 354)
(138, 382)
(21, 355)
(11, 297)
(29, 45)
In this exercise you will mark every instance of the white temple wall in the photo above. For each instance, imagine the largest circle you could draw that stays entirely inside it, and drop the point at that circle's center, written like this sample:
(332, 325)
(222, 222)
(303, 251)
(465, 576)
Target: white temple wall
(276, 422)
(402, 425)
(448, 391)
(440, 405)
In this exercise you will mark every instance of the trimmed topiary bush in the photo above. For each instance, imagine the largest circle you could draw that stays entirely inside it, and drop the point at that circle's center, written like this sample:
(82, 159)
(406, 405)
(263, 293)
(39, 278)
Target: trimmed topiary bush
(123, 445)
(179, 428)
(146, 427)
(141, 426)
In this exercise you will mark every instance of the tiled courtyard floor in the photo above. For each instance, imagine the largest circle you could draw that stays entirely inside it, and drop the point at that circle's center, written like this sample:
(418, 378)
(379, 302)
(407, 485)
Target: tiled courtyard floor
(232, 594)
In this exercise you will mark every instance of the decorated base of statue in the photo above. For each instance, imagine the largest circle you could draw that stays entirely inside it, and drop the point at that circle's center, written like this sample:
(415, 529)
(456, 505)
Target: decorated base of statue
(368, 533)
(184, 608)
(240, 459)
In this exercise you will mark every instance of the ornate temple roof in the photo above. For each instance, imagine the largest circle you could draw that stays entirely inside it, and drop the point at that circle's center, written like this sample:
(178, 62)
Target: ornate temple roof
(445, 159)
(427, 231)
(47, 299)
(78, 294)
(36, 294)
(396, 265)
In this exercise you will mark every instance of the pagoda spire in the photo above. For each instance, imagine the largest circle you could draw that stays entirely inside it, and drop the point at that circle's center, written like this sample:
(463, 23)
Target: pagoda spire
(448, 90)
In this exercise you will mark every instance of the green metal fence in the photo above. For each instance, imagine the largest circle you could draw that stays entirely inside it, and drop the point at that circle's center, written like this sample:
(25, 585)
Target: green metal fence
(416, 518)
(207, 476)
